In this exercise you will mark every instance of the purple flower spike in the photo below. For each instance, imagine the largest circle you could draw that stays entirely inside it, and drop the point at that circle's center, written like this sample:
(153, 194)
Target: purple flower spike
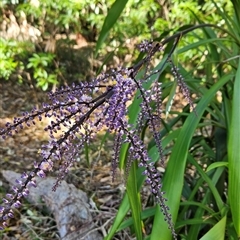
(77, 113)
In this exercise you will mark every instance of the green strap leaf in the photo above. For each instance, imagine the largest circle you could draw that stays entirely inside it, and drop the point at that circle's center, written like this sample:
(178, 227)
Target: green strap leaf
(216, 232)
(113, 14)
(216, 165)
(134, 199)
(173, 178)
(234, 155)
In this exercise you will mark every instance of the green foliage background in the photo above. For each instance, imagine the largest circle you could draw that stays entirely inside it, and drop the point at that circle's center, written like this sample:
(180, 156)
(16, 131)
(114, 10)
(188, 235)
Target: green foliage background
(207, 205)
(140, 19)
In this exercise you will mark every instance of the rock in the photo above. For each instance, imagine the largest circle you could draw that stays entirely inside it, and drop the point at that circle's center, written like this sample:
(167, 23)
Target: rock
(68, 205)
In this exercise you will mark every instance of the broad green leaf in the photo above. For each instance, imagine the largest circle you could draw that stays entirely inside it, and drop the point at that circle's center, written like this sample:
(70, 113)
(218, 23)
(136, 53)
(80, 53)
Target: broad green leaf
(217, 231)
(156, 224)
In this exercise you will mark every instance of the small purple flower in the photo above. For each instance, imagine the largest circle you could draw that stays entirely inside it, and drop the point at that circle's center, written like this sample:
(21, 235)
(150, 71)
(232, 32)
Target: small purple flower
(2, 209)
(41, 174)
(17, 204)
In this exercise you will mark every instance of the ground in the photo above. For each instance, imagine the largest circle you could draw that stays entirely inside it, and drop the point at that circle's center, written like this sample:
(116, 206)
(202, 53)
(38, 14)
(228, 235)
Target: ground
(20, 151)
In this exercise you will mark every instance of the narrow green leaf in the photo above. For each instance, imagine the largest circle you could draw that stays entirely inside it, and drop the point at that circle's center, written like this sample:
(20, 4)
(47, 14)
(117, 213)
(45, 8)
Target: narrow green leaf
(212, 191)
(195, 221)
(134, 199)
(113, 14)
(105, 61)
(201, 205)
(170, 98)
(174, 175)
(216, 165)
(146, 213)
(211, 182)
(123, 209)
(234, 155)
(86, 151)
(200, 43)
(236, 5)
